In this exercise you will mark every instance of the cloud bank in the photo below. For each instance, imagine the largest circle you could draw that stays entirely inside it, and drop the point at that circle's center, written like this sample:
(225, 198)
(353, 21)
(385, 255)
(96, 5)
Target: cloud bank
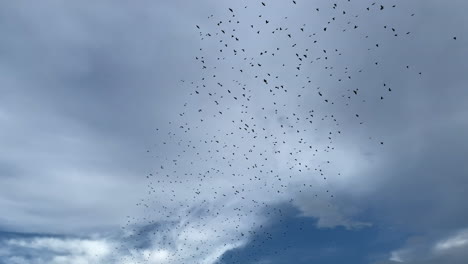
(84, 88)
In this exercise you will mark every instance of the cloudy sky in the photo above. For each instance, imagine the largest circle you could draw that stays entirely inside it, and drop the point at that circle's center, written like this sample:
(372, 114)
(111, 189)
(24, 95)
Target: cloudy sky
(128, 136)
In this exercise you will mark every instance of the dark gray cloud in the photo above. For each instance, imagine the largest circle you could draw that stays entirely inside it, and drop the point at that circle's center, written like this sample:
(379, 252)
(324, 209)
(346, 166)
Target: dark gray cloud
(84, 85)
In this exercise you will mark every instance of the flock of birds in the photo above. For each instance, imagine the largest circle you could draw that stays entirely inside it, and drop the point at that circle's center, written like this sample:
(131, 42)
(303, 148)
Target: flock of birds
(259, 126)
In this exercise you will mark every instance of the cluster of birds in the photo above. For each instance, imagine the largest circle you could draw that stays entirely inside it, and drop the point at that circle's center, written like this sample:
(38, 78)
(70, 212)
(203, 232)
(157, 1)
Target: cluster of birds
(258, 128)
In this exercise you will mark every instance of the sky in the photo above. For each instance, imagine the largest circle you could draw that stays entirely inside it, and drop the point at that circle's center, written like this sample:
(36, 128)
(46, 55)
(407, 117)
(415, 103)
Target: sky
(168, 132)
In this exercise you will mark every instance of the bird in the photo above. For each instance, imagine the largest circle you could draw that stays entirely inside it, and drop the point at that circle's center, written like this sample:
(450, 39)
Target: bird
(265, 111)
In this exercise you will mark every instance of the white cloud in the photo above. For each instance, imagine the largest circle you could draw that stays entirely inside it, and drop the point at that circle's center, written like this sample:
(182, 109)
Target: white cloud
(57, 250)
(396, 256)
(460, 239)
(452, 249)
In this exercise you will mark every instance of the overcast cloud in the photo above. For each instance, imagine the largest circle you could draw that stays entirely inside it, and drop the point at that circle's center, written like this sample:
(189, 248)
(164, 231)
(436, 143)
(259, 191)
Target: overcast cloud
(86, 85)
